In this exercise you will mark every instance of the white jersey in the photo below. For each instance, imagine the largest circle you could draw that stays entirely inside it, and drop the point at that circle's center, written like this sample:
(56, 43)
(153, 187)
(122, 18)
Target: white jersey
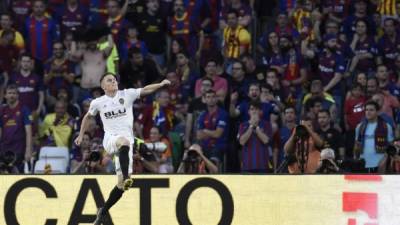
(116, 112)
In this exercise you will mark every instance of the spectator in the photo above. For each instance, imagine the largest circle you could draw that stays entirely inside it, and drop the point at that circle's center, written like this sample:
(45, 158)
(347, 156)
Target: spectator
(316, 90)
(63, 94)
(194, 162)
(196, 106)
(361, 78)
(59, 71)
(372, 86)
(242, 109)
(220, 83)
(152, 30)
(244, 13)
(162, 149)
(116, 20)
(255, 135)
(92, 61)
(372, 137)
(6, 23)
(56, 129)
(8, 58)
(332, 137)
(30, 85)
(20, 10)
(387, 103)
(40, 32)
(138, 71)
(236, 38)
(132, 40)
(330, 68)
(360, 13)
(283, 135)
(72, 16)
(336, 10)
(283, 27)
(294, 71)
(180, 26)
(159, 114)
(213, 129)
(384, 82)
(389, 43)
(303, 144)
(364, 49)
(255, 72)
(16, 129)
(273, 81)
(354, 111)
(177, 46)
(240, 82)
(97, 12)
(187, 75)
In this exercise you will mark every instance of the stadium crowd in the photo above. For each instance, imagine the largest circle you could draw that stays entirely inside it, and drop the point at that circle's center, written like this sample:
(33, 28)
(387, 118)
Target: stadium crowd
(298, 86)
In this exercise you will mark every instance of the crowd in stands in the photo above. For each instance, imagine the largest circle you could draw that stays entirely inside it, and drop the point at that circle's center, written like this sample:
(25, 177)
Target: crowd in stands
(257, 86)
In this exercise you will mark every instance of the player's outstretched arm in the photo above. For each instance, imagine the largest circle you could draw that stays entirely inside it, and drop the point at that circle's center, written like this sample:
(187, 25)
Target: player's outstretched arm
(151, 88)
(78, 140)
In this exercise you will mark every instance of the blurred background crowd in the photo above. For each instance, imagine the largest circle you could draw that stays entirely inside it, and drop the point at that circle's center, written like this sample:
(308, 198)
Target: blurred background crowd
(288, 86)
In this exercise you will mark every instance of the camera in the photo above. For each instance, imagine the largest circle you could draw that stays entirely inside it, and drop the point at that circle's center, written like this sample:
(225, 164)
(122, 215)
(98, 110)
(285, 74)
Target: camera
(94, 156)
(7, 161)
(391, 150)
(144, 151)
(301, 132)
(191, 156)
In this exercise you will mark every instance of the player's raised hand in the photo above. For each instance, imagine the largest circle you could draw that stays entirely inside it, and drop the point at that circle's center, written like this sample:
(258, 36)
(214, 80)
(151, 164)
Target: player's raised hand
(78, 140)
(166, 82)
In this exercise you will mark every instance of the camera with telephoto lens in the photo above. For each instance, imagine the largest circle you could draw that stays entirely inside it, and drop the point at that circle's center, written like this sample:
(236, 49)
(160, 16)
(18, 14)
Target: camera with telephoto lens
(144, 151)
(301, 132)
(7, 161)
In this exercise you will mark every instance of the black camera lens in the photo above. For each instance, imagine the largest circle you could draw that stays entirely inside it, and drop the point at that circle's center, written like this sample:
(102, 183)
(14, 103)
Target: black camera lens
(94, 156)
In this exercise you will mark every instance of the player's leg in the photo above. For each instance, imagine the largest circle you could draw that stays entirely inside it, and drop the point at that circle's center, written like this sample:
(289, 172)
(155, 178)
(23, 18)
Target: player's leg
(123, 146)
(113, 198)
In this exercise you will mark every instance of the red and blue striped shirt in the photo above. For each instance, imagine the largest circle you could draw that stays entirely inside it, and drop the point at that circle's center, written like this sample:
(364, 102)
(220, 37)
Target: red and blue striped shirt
(40, 34)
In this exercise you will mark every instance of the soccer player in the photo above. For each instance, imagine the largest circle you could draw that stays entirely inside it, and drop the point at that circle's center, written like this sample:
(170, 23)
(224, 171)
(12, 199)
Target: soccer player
(115, 108)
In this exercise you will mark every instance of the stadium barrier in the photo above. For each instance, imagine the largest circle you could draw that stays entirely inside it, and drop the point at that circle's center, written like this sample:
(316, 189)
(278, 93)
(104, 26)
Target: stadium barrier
(203, 200)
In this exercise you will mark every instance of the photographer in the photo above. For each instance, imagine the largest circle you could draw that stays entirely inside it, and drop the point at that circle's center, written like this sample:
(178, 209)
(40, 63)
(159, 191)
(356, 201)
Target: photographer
(162, 150)
(327, 163)
(194, 162)
(87, 158)
(390, 163)
(144, 158)
(304, 144)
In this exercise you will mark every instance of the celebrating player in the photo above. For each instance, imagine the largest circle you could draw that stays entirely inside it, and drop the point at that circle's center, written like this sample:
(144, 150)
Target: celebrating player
(115, 108)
